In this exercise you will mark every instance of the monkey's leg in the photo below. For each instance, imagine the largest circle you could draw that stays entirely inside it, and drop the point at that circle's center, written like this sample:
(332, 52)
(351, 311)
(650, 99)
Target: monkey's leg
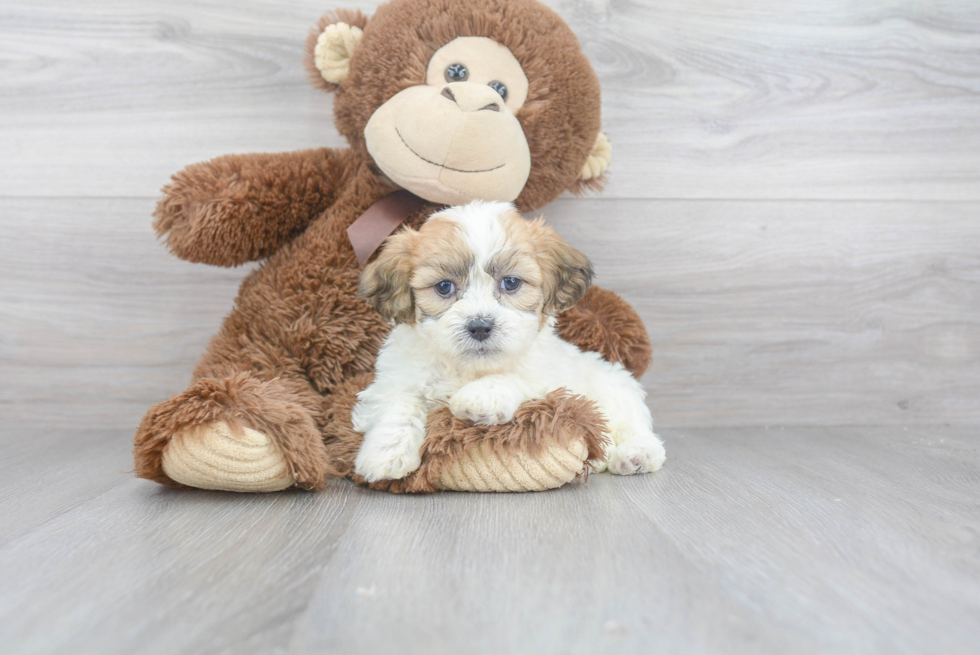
(234, 433)
(254, 418)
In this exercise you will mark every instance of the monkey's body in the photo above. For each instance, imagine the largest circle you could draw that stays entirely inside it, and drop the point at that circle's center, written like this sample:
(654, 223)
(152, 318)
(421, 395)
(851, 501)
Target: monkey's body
(299, 344)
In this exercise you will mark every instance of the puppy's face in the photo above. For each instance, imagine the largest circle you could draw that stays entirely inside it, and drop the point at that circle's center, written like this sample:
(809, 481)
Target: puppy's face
(479, 281)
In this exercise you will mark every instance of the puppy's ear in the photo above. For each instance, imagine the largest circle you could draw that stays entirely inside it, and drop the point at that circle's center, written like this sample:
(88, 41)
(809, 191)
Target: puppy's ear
(385, 283)
(567, 272)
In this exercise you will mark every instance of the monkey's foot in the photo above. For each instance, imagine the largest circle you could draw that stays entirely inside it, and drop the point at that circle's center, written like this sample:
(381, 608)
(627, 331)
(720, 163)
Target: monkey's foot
(213, 457)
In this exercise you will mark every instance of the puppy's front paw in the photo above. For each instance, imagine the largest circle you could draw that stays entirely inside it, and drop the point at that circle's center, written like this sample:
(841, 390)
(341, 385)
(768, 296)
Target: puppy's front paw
(388, 456)
(485, 403)
(636, 456)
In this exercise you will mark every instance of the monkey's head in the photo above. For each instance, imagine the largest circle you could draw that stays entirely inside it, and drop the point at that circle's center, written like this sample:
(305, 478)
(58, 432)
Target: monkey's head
(460, 100)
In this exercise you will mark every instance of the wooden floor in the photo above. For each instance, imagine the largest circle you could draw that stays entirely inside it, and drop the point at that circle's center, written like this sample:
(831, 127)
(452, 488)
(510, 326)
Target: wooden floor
(787, 540)
(793, 208)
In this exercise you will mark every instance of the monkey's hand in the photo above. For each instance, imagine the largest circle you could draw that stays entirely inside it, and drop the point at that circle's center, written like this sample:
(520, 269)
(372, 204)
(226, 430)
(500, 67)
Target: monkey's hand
(241, 208)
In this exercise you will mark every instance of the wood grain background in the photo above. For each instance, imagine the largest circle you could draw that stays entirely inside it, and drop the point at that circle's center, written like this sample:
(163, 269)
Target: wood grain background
(761, 313)
(748, 99)
(794, 209)
(794, 201)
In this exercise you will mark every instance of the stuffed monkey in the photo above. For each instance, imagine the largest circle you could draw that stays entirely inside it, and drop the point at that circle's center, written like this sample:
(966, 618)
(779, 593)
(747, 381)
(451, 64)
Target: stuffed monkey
(442, 102)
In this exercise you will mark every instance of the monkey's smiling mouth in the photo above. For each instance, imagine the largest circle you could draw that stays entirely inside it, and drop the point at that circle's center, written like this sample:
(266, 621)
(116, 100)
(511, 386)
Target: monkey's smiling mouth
(448, 168)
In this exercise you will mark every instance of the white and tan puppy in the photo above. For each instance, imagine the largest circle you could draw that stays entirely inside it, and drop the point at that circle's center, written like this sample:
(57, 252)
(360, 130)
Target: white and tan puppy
(474, 294)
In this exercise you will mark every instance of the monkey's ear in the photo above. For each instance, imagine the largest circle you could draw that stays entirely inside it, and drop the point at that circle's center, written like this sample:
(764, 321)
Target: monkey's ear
(386, 282)
(330, 46)
(567, 272)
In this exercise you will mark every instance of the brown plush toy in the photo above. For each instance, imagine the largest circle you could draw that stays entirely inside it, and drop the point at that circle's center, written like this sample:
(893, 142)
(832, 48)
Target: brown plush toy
(450, 100)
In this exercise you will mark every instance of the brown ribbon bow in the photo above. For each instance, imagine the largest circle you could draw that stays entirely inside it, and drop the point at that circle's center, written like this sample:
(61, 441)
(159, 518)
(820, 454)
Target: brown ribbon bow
(371, 228)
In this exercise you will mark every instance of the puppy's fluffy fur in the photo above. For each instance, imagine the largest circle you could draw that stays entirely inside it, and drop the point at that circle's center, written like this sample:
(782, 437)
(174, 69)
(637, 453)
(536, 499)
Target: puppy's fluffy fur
(474, 294)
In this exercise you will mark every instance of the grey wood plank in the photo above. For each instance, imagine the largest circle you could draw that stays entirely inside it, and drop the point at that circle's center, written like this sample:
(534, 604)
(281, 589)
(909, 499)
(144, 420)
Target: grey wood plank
(92, 308)
(768, 313)
(761, 313)
(49, 471)
(803, 540)
(758, 99)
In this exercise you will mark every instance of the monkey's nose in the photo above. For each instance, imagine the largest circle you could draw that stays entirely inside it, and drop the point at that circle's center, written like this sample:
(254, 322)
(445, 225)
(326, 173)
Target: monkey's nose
(480, 328)
(471, 97)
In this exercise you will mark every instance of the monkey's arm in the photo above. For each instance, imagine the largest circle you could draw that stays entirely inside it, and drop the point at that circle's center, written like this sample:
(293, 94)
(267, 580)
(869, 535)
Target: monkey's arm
(605, 323)
(240, 208)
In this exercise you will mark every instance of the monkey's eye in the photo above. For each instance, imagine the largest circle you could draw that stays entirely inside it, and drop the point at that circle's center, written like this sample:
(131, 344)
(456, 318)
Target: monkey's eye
(445, 288)
(456, 73)
(499, 87)
(511, 284)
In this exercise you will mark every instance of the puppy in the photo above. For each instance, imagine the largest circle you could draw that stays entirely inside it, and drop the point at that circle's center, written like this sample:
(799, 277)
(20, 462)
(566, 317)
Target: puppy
(474, 294)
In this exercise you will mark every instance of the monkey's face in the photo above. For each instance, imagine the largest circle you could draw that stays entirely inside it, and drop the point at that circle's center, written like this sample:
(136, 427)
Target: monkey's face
(456, 137)
(459, 101)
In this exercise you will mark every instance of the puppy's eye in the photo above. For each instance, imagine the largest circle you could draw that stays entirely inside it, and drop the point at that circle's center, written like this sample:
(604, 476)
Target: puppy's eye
(511, 283)
(445, 288)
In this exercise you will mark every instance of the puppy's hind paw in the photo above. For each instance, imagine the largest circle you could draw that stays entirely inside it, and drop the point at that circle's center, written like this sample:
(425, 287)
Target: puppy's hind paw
(632, 457)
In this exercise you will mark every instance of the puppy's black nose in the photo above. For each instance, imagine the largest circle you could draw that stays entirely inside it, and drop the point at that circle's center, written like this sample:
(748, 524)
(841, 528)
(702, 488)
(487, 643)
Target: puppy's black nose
(480, 328)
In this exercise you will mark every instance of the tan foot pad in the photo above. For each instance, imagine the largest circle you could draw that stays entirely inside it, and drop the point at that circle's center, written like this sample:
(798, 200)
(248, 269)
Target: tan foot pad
(483, 469)
(211, 457)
